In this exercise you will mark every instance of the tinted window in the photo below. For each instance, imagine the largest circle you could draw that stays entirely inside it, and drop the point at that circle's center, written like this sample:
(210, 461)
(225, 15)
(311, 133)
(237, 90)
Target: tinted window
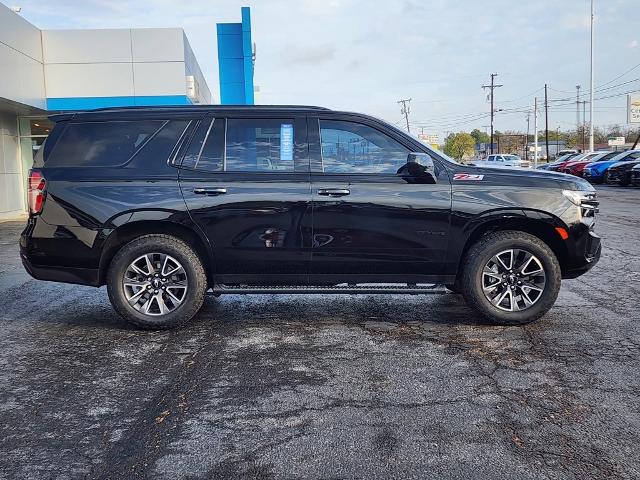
(349, 147)
(259, 145)
(206, 150)
(102, 144)
(212, 155)
(193, 150)
(491, 158)
(609, 156)
(157, 150)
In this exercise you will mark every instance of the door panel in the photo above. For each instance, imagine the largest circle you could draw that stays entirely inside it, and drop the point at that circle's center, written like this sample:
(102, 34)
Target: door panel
(259, 228)
(257, 218)
(382, 227)
(377, 226)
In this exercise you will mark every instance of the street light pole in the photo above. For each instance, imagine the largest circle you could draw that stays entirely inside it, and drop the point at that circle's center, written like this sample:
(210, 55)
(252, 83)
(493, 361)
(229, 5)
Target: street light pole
(591, 146)
(535, 133)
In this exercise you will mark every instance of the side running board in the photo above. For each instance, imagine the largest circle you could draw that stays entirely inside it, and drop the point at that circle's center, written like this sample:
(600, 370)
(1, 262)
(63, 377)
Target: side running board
(369, 288)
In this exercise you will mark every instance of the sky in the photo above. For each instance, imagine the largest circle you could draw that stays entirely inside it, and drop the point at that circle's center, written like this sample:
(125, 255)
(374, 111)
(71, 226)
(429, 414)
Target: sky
(364, 56)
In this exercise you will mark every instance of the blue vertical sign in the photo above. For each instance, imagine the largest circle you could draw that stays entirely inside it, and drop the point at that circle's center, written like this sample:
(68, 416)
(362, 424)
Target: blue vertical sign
(286, 141)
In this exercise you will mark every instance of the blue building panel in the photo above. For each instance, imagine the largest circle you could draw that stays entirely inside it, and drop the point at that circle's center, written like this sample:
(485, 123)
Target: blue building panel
(89, 103)
(235, 62)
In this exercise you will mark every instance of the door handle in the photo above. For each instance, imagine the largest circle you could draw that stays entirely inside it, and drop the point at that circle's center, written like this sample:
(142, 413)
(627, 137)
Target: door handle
(333, 192)
(210, 191)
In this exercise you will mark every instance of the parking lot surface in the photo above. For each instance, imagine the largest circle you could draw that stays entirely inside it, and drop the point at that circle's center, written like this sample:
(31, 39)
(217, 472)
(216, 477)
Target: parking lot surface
(333, 386)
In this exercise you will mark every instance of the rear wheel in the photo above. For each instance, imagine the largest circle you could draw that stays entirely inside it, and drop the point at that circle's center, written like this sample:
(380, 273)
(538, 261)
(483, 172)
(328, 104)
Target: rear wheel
(511, 277)
(156, 282)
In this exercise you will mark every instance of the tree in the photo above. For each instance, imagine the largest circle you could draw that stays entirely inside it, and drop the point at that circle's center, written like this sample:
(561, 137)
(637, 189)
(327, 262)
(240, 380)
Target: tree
(480, 137)
(459, 145)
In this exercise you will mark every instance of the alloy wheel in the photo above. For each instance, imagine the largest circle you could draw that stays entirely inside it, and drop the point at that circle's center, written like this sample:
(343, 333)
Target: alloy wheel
(155, 284)
(513, 280)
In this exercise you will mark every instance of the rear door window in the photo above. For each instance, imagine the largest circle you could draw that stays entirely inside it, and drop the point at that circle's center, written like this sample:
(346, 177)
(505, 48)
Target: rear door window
(259, 145)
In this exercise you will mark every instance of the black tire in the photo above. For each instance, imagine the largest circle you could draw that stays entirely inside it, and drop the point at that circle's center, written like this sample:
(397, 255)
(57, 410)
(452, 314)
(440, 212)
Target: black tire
(191, 266)
(625, 180)
(482, 252)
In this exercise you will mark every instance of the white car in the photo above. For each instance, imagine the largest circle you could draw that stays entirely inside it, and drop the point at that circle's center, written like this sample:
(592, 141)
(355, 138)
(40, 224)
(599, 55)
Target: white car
(503, 160)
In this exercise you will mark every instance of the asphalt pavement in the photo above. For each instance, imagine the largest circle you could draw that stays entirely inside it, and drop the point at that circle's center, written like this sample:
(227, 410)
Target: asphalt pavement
(333, 386)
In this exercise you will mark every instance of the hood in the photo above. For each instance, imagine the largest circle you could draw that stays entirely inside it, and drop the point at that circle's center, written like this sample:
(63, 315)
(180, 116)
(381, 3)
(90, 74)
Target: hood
(505, 176)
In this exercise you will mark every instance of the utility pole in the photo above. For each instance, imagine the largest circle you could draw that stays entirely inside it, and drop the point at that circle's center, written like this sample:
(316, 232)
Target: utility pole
(591, 146)
(577, 107)
(405, 110)
(492, 87)
(584, 125)
(546, 120)
(535, 133)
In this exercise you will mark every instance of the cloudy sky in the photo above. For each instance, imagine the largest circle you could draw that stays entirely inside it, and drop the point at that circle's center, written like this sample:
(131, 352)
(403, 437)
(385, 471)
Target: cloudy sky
(366, 55)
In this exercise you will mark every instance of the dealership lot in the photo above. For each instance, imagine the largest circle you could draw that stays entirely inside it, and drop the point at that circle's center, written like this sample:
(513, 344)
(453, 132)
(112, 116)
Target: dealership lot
(331, 386)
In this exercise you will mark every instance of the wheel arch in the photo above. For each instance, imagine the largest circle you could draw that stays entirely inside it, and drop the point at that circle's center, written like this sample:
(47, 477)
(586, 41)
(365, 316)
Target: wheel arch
(539, 224)
(131, 230)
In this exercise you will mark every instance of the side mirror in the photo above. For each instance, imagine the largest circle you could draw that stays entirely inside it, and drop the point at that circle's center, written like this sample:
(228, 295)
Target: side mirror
(418, 169)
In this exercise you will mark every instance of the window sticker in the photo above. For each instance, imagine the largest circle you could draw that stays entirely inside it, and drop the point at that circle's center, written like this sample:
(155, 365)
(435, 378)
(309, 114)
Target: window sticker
(286, 141)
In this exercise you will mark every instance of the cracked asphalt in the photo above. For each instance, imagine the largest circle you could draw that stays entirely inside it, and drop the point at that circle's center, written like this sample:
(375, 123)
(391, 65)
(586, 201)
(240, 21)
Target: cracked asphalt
(333, 386)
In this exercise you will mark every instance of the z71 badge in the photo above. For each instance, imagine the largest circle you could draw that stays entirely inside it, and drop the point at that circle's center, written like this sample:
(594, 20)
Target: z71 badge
(467, 176)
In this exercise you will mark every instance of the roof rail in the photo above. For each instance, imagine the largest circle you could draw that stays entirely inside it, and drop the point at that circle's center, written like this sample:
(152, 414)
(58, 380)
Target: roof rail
(210, 107)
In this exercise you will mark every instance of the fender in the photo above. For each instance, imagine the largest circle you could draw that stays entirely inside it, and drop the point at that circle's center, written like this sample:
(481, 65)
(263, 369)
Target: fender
(465, 231)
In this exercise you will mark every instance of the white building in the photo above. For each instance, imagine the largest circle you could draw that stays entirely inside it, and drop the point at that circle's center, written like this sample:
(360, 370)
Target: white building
(46, 71)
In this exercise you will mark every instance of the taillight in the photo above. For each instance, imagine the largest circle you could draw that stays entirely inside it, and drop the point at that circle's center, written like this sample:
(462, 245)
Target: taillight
(37, 187)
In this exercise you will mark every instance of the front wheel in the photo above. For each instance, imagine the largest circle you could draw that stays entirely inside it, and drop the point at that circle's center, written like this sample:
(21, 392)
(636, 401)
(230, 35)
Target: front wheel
(156, 282)
(511, 277)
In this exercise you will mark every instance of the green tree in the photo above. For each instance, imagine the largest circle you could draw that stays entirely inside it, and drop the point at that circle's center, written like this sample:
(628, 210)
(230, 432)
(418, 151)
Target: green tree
(480, 137)
(459, 145)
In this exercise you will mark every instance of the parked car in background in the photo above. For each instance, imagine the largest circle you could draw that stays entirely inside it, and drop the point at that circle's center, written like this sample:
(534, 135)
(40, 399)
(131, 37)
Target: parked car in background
(566, 151)
(635, 176)
(620, 173)
(594, 172)
(576, 168)
(577, 158)
(559, 160)
(503, 160)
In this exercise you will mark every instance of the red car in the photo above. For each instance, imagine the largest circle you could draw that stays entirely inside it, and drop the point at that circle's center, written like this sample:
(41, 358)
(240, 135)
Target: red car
(576, 168)
(556, 167)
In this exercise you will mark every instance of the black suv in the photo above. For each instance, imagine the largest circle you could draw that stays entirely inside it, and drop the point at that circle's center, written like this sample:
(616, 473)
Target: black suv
(163, 204)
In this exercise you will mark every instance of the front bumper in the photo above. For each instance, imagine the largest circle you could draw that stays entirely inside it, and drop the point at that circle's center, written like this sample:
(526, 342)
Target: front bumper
(592, 176)
(587, 249)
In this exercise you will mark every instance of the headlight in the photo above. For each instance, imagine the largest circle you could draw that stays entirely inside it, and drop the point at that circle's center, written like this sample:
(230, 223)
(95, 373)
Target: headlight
(574, 196)
(585, 199)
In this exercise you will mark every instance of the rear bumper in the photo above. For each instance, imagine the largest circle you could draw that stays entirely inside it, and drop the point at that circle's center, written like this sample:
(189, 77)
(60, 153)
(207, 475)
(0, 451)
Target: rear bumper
(79, 276)
(32, 258)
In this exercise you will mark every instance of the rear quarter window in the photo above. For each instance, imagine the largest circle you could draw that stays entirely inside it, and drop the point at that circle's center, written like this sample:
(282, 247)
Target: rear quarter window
(102, 144)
